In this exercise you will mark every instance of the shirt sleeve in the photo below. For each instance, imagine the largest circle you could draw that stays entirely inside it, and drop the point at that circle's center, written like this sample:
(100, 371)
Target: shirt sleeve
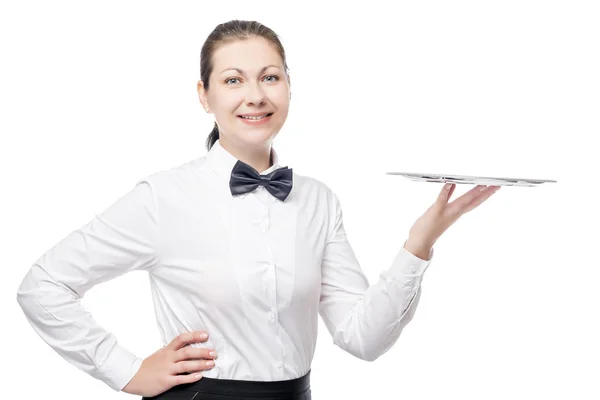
(119, 240)
(366, 320)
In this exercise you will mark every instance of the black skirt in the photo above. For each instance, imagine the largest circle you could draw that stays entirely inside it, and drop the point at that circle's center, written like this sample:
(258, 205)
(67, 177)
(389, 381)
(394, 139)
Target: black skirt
(233, 389)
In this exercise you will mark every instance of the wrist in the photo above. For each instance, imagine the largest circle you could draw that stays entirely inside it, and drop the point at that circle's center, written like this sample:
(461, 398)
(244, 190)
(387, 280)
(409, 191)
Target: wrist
(419, 249)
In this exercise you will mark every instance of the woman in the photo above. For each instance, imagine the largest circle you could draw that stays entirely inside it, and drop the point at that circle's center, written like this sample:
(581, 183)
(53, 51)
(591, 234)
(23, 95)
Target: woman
(237, 247)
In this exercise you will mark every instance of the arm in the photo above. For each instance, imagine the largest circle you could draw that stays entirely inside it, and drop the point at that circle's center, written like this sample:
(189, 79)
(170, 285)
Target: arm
(119, 240)
(366, 320)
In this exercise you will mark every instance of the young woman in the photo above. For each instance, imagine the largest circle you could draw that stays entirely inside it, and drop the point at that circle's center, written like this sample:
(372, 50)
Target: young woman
(237, 247)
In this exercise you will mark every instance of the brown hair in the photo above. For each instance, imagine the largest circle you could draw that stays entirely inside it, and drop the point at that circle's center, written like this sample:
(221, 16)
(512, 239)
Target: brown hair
(226, 33)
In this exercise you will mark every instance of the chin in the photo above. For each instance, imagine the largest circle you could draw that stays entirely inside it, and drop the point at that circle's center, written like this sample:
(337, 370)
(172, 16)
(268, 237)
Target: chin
(256, 137)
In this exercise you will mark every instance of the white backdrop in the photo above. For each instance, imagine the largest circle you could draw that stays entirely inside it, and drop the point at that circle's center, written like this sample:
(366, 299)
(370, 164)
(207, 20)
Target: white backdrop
(96, 95)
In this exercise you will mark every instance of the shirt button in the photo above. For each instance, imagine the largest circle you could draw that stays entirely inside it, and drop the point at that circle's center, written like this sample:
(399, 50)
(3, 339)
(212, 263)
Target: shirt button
(271, 316)
(280, 365)
(413, 269)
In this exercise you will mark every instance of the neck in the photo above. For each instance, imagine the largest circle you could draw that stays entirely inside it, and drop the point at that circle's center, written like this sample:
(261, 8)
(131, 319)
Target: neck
(260, 157)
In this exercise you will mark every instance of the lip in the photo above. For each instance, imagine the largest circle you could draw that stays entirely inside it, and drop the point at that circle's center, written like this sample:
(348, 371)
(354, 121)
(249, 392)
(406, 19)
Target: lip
(255, 122)
(258, 114)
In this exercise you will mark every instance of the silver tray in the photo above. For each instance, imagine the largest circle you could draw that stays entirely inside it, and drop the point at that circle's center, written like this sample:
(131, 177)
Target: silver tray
(471, 180)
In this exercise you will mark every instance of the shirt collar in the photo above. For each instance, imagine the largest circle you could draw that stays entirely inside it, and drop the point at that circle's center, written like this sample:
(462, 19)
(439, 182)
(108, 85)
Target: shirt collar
(222, 162)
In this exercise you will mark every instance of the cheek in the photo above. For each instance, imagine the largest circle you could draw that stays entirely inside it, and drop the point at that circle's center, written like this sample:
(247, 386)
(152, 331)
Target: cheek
(281, 100)
(283, 113)
(227, 103)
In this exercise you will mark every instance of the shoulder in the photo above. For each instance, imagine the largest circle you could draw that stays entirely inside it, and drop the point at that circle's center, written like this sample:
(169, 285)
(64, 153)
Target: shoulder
(314, 188)
(173, 177)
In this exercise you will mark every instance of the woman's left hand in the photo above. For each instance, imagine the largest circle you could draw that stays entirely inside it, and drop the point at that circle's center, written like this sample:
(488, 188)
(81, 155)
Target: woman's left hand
(441, 215)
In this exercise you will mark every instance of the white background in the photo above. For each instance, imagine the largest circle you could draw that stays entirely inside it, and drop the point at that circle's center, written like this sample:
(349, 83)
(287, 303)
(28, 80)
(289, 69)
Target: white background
(96, 95)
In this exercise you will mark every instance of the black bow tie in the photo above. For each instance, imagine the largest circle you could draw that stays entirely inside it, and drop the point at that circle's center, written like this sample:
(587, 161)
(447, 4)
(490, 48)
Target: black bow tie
(245, 179)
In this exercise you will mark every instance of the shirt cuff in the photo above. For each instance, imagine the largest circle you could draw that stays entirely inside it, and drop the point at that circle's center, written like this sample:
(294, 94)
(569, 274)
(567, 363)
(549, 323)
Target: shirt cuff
(406, 264)
(120, 367)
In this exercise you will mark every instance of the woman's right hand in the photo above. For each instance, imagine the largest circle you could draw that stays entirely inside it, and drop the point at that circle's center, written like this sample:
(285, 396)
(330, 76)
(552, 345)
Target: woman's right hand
(159, 372)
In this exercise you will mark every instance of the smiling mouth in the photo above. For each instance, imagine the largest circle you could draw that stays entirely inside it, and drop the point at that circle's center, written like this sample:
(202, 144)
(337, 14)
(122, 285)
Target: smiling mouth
(255, 118)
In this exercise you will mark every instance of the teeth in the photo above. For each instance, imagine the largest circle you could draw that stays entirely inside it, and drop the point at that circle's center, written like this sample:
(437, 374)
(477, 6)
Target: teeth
(260, 117)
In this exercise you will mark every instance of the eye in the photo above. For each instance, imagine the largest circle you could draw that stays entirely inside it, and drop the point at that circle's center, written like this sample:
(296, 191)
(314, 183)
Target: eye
(268, 76)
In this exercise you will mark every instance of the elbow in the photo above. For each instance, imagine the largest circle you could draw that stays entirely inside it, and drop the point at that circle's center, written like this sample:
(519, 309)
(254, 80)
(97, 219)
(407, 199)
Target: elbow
(369, 357)
(24, 296)
(26, 302)
(22, 292)
(28, 291)
(362, 354)
(366, 350)
(20, 298)
(373, 353)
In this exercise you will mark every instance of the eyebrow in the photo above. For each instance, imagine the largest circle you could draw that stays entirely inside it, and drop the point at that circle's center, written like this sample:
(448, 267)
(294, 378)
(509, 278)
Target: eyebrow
(242, 72)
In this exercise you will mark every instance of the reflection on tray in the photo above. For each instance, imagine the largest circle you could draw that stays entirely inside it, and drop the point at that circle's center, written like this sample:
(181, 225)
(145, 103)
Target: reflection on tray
(474, 180)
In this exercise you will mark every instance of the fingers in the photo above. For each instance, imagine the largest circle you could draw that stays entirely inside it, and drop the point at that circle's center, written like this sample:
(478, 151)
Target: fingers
(475, 197)
(474, 194)
(192, 366)
(190, 370)
(190, 352)
(181, 379)
(446, 192)
(186, 338)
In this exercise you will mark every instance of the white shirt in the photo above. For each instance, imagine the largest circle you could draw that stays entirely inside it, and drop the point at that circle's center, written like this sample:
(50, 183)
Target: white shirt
(251, 270)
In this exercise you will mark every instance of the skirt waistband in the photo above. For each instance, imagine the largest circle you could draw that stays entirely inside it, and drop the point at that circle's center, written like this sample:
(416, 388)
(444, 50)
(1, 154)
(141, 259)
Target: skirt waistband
(238, 387)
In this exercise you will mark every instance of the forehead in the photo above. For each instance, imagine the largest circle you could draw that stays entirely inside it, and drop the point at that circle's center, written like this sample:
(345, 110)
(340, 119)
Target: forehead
(249, 55)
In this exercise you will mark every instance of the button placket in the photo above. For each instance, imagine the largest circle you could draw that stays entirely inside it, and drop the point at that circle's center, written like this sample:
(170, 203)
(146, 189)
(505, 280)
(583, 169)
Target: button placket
(271, 288)
(271, 280)
(264, 226)
(271, 273)
(273, 310)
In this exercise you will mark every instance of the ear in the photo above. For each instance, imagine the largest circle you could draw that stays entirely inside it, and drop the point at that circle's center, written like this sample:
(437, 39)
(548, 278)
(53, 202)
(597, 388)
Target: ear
(202, 94)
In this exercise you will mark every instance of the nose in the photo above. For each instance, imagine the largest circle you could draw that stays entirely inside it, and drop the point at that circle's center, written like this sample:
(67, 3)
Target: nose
(255, 94)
